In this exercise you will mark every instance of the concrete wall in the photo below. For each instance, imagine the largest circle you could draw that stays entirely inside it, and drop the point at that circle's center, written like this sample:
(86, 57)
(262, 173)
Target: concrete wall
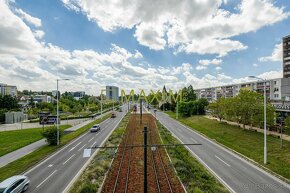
(14, 117)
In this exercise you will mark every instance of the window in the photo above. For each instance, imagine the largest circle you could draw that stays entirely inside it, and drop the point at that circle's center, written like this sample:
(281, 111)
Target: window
(276, 95)
(275, 82)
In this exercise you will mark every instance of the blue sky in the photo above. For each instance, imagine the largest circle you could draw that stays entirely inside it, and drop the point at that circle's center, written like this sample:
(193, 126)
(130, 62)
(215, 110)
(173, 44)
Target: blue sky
(164, 58)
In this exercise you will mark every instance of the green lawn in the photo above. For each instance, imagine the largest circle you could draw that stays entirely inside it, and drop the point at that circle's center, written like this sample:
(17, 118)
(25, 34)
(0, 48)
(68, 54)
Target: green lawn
(21, 165)
(13, 140)
(248, 143)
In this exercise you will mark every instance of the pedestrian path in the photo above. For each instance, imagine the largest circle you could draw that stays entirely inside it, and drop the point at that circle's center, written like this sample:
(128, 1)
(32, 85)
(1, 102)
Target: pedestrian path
(284, 137)
(12, 156)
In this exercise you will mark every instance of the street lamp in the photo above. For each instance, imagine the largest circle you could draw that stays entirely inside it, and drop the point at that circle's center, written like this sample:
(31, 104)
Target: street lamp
(265, 119)
(57, 111)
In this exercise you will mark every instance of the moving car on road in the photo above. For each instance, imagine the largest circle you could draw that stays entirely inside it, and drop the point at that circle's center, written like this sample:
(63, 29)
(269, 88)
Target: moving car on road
(113, 115)
(14, 184)
(95, 128)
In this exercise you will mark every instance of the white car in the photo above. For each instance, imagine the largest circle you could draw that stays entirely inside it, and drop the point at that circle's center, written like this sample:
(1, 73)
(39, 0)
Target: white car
(95, 128)
(14, 184)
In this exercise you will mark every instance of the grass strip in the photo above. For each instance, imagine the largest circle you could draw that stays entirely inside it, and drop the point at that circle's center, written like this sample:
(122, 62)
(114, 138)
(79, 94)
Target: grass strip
(93, 176)
(13, 140)
(193, 175)
(23, 164)
(246, 142)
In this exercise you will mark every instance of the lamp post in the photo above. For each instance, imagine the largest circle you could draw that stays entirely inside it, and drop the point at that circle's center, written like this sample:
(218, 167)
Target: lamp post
(265, 119)
(57, 111)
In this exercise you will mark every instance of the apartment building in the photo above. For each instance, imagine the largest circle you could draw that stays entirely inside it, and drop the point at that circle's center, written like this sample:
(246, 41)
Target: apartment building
(8, 90)
(286, 57)
(276, 90)
(112, 93)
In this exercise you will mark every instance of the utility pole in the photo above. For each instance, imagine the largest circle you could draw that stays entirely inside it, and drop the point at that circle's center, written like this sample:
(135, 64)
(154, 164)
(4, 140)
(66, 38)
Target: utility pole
(145, 159)
(140, 111)
(177, 110)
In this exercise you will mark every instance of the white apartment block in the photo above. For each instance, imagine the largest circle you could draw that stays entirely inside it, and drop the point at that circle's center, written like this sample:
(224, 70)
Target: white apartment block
(277, 90)
(8, 90)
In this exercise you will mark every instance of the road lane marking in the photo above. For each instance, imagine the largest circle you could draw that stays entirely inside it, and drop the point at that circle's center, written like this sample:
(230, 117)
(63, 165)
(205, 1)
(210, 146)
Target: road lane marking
(46, 179)
(50, 165)
(94, 144)
(68, 159)
(82, 147)
(74, 147)
(223, 161)
(91, 139)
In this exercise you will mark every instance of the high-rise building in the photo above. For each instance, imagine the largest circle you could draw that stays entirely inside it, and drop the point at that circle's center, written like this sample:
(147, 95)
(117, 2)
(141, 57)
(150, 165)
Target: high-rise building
(112, 92)
(286, 57)
(8, 90)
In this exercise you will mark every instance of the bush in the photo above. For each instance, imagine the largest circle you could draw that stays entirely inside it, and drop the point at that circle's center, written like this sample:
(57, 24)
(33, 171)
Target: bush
(88, 188)
(51, 135)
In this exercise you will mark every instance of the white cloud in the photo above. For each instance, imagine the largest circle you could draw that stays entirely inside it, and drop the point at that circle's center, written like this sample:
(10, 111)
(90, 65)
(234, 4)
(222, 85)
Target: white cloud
(276, 54)
(38, 34)
(32, 20)
(200, 67)
(218, 68)
(255, 65)
(138, 55)
(30, 64)
(202, 27)
(208, 62)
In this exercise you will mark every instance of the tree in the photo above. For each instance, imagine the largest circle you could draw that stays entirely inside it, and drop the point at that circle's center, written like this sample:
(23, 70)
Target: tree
(217, 108)
(8, 102)
(201, 104)
(191, 96)
(51, 135)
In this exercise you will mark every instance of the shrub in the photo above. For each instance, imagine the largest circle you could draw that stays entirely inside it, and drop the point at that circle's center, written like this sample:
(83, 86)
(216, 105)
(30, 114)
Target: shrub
(51, 135)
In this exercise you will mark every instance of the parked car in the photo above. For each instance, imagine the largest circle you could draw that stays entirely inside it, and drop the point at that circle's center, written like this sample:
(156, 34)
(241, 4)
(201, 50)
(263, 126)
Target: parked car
(113, 115)
(15, 184)
(95, 128)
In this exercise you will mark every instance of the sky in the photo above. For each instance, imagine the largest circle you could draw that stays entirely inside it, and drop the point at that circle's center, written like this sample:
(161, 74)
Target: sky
(135, 44)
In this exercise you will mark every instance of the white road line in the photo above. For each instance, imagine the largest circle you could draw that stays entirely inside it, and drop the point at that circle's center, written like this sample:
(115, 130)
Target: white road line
(82, 147)
(68, 159)
(94, 144)
(223, 161)
(46, 179)
(50, 165)
(91, 139)
(74, 147)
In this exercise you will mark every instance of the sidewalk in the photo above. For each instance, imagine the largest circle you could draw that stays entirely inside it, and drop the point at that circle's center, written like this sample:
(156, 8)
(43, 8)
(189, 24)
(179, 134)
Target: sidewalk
(285, 137)
(12, 156)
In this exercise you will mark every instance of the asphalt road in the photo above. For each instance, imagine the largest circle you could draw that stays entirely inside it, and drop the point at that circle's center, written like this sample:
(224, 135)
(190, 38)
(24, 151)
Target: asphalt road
(56, 172)
(237, 174)
(19, 153)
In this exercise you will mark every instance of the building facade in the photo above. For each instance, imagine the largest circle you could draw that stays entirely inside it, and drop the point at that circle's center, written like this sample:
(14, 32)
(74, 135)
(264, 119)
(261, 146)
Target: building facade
(286, 57)
(42, 98)
(78, 95)
(8, 90)
(112, 93)
(277, 91)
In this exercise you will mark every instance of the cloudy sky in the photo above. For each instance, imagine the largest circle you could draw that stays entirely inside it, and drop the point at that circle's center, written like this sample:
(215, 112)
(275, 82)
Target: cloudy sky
(138, 44)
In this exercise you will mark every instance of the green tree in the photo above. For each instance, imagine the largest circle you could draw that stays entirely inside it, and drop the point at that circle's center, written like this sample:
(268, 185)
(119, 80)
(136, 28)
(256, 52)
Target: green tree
(217, 108)
(8, 102)
(191, 96)
(51, 135)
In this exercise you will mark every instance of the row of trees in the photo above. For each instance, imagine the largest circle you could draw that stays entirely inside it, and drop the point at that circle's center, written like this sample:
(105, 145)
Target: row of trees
(246, 108)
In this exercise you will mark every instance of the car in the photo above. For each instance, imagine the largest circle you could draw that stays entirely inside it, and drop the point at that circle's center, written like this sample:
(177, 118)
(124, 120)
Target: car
(113, 115)
(15, 184)
(95, 128)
